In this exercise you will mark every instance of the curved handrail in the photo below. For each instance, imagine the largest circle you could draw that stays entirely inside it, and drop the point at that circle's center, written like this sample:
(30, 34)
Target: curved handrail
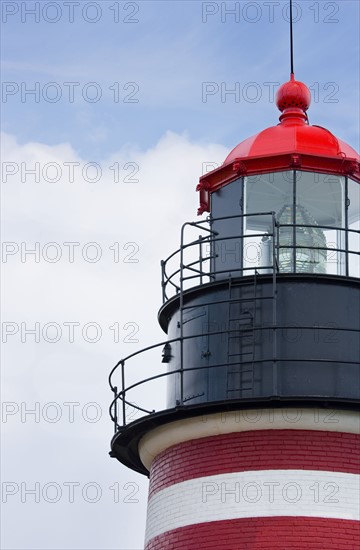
(121, 395)
(213, 239)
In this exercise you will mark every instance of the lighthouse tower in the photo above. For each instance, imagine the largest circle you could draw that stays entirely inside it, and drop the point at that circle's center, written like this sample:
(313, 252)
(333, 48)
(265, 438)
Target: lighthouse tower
(258, 444)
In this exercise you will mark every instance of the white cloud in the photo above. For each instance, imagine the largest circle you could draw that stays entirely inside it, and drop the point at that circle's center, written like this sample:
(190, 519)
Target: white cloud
(149, 213)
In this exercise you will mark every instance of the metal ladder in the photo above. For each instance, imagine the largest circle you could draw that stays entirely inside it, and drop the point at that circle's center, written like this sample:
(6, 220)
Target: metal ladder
(241, 342)
(243, 336)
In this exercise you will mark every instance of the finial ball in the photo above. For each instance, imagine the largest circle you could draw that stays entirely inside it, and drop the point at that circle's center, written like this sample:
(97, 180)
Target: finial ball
(293, 94)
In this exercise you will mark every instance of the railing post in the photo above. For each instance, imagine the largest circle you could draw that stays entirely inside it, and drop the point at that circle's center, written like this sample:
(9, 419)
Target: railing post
(123, 391)
(347, 270)
(277, 245)
(200, 259)
(274, 319)
(115, 410)
(181, 304)
(162, 263)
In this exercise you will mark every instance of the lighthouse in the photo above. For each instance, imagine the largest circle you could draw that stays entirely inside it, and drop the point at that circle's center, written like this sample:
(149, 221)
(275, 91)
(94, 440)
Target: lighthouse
(258, 445)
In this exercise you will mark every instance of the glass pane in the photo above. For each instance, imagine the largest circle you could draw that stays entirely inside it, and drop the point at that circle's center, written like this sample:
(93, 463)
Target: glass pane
(320, 206)
(226, 248)
(264, 194)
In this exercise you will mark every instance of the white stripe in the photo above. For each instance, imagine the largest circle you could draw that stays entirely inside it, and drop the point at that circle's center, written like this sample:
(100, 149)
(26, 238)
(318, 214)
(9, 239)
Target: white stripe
(254, 494)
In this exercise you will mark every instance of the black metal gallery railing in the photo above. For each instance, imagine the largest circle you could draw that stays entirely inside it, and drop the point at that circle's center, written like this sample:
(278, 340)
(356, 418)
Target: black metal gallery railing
(122, 407)
(200, 268)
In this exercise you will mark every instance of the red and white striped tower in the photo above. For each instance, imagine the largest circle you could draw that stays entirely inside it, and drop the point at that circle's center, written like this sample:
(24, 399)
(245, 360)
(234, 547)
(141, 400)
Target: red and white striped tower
(258, 447)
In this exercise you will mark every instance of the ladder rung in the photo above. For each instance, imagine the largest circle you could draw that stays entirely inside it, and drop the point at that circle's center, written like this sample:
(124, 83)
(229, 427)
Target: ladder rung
(239, 354)
(248, 342)
(239, 300)
(240, 389)
(239, 372)
(242, 330)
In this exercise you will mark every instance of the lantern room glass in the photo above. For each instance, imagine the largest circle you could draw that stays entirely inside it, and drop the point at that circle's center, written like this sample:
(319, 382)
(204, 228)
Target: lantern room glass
(312, 211)
(353, 220)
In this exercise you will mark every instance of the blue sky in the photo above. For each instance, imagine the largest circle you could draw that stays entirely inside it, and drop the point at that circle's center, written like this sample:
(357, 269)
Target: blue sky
(168, 54)
(164, 59)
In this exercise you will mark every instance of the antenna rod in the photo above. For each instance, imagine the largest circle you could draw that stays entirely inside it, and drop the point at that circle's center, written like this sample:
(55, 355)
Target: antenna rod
(291, 41)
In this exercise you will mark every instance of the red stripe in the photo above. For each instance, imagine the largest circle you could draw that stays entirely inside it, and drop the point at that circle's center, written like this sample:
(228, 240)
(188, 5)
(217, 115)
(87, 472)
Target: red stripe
(257, 450)
(263, 534)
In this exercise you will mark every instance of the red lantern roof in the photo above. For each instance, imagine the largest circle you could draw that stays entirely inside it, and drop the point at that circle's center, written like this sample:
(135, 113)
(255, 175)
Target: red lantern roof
(293, 143)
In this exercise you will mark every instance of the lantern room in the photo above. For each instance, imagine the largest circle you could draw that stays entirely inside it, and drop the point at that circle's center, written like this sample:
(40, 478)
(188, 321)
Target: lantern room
(303, 176)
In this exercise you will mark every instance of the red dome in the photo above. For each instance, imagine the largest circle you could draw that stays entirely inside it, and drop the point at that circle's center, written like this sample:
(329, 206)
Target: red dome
(292, 144)
(293, 134)
(290, 136)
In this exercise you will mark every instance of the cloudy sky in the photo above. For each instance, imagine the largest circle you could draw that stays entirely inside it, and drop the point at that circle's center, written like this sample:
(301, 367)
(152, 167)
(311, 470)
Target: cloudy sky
(110, 113)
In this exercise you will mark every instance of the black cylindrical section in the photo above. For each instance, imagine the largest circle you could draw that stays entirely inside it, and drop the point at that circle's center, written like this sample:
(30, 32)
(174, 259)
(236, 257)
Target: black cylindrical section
(252, 338)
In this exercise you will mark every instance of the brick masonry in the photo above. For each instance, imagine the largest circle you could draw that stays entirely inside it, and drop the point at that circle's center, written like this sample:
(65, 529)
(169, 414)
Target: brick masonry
(260, 450)
(273, 533)
(197, 498)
